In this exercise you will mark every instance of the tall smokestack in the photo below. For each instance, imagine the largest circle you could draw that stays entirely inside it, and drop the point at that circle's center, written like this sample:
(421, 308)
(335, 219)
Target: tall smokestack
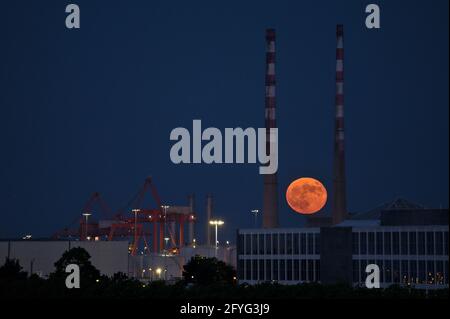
(209, 209)
(339, 212)
(270, 203)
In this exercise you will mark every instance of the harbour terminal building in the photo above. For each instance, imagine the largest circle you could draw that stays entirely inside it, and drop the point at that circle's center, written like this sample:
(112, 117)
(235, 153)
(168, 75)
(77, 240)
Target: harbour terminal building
(409, 243)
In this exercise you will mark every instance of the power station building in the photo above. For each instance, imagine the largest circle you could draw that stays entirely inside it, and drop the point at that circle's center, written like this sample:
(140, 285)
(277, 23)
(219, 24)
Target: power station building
(407, 242)
(409, 245)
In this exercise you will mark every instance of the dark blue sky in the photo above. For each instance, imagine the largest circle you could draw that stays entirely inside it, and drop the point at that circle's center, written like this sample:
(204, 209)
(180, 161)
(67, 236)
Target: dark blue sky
(91, 109)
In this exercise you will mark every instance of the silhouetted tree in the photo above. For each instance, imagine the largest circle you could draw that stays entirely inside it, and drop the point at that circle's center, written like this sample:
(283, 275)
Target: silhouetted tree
(12, 270)
(89, 275)
(207, 271)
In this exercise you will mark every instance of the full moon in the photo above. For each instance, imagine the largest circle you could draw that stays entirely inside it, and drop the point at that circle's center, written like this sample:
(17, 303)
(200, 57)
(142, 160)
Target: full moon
(306, 195)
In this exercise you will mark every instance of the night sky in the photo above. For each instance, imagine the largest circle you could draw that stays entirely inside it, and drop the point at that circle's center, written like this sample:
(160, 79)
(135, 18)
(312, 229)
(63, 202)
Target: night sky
(92, 109)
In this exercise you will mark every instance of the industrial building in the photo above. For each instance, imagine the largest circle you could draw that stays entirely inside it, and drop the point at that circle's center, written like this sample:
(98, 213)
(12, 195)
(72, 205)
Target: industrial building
(408, 242)
(144, 243)
(39, 257)
(412, 253)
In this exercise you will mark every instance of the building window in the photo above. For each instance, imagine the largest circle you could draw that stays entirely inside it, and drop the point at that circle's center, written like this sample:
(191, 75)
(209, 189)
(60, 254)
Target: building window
(268, 244)
(303, 270)
(275, 269)
(282, 244)
(395, 243)
(446, 243)
(255, 270)
(303, 244)
(412, 243)
(404, 243)
(388, 271)
(261, 244)
(268, 269)
(422, 272)
(255, 244)
(289, 244)
(396, 271)
(310, 270)
(275, 245)
(317, 244)
(430, 243)
(363, 243)
(387, 243)
(296, 270)
(421, 243)
(413, 271)
(289, 269)
(379, 263)
(439, 243)
(379, 243)
(430, 272)
(405, 271)
(261, 270)
(282, 269)
(296, 244)
(317, 271)
(248, 244)
(371, 243)
(310, 244)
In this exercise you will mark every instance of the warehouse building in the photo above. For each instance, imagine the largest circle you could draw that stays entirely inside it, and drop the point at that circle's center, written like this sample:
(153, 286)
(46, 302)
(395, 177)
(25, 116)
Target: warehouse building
(39, 257)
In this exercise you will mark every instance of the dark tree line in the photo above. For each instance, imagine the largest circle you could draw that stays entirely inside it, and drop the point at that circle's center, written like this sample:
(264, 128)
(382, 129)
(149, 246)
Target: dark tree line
(202, 278)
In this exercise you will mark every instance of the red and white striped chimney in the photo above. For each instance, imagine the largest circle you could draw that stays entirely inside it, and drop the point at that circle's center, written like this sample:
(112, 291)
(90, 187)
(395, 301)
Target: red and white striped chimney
(339, 212)
(270, 202)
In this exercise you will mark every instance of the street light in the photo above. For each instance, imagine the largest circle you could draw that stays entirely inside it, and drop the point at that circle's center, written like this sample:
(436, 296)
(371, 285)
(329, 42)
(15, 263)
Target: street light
(165, 207)
(216, 224)
(86, 216)
(255, 211)
(158, 272)
(135, 211)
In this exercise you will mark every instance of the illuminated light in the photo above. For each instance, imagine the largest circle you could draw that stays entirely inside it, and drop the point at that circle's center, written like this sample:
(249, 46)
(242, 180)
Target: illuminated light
(216, 222)
(97, 280)
(228, 242)
(96, 238)
(88, 237)
(158, 271)
(143, 270)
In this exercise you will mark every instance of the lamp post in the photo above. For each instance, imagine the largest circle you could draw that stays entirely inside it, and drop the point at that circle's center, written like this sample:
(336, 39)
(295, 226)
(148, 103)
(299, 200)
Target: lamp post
(255, 211)
(165, 207)
(216, 223)
(86, 216)
(135, 211)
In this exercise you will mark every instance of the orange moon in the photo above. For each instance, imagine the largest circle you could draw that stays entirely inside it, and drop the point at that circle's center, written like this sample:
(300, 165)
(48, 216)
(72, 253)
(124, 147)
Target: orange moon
(306, 195)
